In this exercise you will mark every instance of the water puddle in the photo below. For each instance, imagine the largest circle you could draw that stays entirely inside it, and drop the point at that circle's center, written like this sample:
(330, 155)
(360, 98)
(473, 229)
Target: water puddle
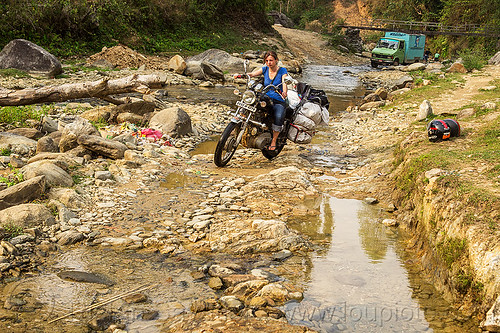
(206, 147)
(177, 180)
(359, 282)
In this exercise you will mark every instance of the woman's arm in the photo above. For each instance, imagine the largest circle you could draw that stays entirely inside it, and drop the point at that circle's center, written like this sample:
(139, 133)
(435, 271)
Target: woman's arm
(256, 72)
(285, 87)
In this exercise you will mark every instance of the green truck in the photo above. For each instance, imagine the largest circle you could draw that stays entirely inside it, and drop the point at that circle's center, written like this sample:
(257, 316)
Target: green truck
(398, 48)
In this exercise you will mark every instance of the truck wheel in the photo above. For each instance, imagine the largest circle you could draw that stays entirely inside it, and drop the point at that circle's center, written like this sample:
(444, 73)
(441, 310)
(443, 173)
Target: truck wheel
(396, 62)
(374, 64)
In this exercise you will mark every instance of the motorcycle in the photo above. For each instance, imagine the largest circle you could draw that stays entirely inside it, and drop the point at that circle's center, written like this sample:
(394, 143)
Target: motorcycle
(251, 122)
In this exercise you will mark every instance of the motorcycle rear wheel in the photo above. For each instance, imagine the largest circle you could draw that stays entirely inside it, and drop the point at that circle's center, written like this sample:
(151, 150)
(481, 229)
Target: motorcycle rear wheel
(227, 144)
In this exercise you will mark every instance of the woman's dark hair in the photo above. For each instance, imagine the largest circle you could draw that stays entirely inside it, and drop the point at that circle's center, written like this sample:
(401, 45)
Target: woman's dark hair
(272, 54)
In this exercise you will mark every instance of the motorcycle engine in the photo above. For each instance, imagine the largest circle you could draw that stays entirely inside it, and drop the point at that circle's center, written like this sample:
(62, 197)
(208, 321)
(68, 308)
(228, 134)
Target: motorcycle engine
(255, 138)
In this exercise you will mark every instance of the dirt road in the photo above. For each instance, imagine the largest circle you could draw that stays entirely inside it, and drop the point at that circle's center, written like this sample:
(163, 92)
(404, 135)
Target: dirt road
(311, 47)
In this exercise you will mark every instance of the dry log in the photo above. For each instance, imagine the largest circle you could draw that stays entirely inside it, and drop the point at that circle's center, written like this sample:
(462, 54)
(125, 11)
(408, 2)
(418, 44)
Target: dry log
(98, 89)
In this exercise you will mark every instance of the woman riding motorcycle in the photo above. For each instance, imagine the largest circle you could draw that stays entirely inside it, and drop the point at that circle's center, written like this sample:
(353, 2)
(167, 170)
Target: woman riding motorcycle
(274, 74)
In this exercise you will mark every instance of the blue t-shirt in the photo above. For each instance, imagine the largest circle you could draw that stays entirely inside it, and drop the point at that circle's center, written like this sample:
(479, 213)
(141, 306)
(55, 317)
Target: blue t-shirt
(277, 80)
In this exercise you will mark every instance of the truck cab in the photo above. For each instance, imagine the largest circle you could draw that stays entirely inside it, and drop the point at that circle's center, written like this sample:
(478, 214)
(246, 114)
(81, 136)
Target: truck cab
(398, 48)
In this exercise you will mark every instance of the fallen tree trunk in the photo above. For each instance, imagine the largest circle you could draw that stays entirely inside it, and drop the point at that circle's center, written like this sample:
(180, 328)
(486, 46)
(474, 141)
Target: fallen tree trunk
(98, 89)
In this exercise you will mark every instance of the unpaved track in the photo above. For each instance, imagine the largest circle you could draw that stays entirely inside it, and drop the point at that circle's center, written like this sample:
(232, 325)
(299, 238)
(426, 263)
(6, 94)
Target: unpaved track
(452, 101)
(311, 47)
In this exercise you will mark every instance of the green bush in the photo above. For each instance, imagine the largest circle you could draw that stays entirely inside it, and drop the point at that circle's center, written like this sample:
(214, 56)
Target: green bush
(79, 27)
(473, 59)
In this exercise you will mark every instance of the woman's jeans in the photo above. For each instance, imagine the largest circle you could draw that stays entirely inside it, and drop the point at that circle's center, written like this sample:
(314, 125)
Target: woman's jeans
(279, 115)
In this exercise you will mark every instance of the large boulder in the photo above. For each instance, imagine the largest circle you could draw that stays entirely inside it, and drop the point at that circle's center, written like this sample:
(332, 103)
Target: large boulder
(17, 144)
(47, 144)
(69, 197)
(133, 111)
(27, 190)
(495, 60)
(177, 64)
(212, 71)
(457, 68)
(402, 82)
(29, 57)
(71, 132)
(27, 216)
(28, 132)
(173, 121)
(54, 174)
(63, 160)
(219, 58)
(418, 66)
(492, 321)
(105, 147)
(280, 18)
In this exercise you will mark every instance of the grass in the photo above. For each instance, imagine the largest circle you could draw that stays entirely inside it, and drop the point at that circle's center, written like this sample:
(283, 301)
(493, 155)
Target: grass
(14, 73)
(437, 87)
(11, 230)
(452, 250)
(15, 177)
(5, 152)
(18, 115)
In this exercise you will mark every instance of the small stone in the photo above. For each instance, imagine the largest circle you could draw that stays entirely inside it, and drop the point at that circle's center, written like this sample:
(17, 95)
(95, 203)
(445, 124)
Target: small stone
(260, 313)
(197, 275)
(282, 255)
(215, 283)
(257, 302)
(390, 222)
(101, 323)
(149, 315)
(136, 298)
(371, 201)
(231, 303)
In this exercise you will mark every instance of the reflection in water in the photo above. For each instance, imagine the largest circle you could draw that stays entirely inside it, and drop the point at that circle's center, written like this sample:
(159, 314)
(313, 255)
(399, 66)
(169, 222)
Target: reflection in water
(359, 284)
(373, 235)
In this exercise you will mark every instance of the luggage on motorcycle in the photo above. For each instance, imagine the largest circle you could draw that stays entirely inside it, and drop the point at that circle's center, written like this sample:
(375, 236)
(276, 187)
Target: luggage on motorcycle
(293, 98)
(299, 134)
(314, 95)
(439, 129)
(306, 119)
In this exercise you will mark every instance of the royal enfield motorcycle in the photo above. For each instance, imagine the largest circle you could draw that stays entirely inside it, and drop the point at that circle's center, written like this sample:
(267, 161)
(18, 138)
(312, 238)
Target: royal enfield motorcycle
(251, 122)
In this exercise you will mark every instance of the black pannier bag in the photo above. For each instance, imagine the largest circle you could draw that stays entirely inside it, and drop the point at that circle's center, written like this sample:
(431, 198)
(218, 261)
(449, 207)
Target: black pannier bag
(314, 95)
(442, 129)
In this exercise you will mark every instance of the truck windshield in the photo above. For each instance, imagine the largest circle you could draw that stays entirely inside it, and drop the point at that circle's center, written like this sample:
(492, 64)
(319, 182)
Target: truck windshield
(388, 44)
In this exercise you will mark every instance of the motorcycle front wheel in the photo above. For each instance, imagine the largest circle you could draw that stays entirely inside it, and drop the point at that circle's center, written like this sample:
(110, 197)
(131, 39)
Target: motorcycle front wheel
(227, 144)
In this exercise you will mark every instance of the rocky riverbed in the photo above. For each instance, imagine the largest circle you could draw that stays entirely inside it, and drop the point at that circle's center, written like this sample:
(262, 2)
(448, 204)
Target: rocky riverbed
(180, 244)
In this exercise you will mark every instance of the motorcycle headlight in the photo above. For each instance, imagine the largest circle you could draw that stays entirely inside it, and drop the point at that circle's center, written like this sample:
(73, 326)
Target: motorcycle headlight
(248, 97)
